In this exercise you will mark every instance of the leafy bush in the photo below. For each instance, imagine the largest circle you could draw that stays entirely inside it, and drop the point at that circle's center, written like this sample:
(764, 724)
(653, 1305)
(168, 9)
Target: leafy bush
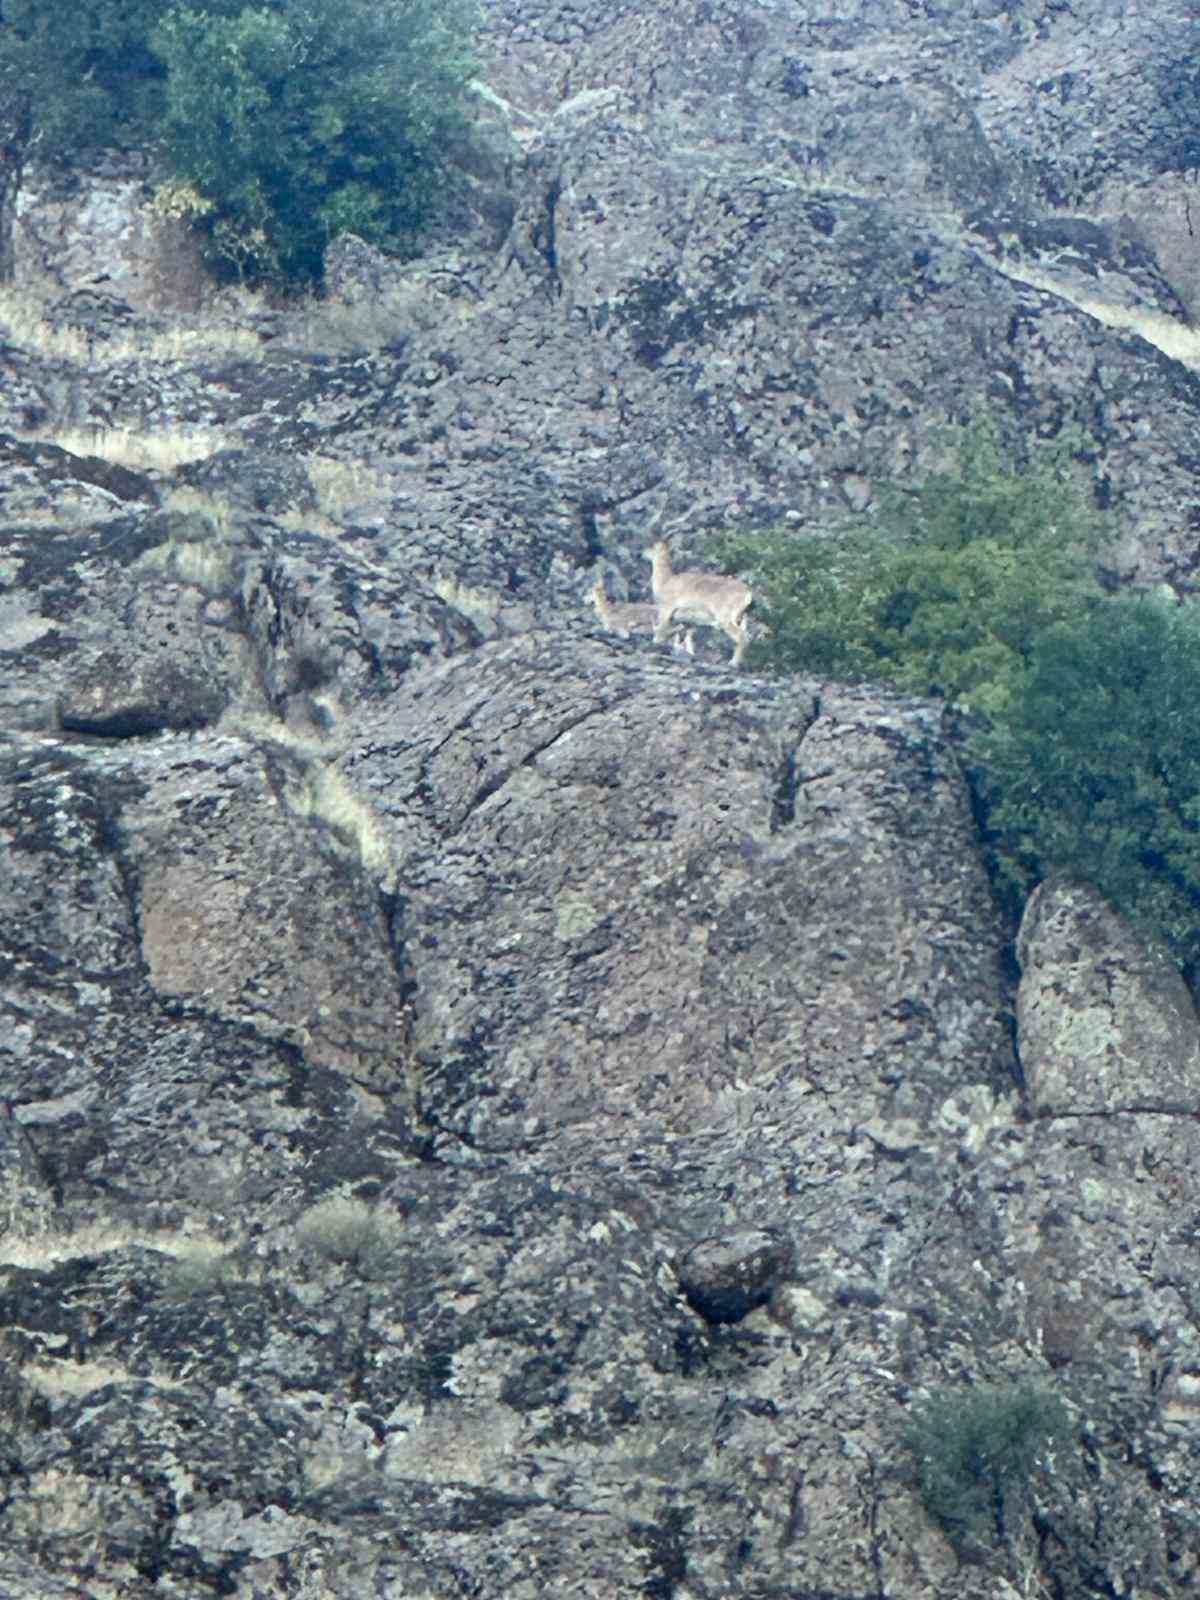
(980, 591)
(199, 1270)
(971, 1453)
(302, 119)
(948, 599)
(1095, 767)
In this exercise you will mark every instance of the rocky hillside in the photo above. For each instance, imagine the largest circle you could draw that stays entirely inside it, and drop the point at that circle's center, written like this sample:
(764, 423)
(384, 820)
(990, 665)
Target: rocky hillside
(491, 1108)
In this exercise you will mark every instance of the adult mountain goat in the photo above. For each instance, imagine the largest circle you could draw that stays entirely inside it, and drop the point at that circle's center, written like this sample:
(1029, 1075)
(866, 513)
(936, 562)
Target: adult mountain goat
(706, 598)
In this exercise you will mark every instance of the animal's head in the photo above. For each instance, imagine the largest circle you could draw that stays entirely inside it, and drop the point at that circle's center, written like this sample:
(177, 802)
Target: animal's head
(656, 551)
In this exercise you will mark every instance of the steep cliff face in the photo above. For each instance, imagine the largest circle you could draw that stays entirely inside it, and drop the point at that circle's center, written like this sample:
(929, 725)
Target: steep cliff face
(493, 1108)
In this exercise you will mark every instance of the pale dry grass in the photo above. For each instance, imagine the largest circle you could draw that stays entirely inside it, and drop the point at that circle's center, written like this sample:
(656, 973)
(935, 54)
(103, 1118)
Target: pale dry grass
(319, 792)
(24, 323)
(199, 550)
(342, 485)
(159, 450)
(30, 1237)
(61, 1381)
(213, 508)
(324, 795)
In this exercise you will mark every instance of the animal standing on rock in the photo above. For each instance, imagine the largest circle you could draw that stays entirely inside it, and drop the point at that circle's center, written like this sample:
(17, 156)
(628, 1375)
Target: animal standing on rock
(625, 618)
(708, 598)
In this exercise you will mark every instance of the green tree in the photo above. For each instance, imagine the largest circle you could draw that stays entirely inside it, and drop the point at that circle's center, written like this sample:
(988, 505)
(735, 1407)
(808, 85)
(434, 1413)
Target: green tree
(303, 118)
(1095, 768)
(290, 120)
(948, 597)
(84, 69)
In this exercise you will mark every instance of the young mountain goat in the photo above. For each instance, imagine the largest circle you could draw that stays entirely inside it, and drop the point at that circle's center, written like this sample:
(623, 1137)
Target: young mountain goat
(625, 618)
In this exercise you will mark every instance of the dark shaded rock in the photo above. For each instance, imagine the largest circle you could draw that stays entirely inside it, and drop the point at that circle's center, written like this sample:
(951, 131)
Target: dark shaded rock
(731, 821)
(728, 1277)
(117, 698)
(49, 464)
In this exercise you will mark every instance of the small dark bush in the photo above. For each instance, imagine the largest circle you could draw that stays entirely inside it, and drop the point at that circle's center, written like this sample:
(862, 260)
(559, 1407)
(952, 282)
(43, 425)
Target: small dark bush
(971, 1453)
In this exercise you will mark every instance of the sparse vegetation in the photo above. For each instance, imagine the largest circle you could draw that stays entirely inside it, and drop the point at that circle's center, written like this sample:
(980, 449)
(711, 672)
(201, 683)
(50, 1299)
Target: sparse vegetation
(347, 1230)
(341, 485)
(159, 449)
(971, 1453)
(35, 1238)
(199, 1267)
(24, 321)
(324, 795)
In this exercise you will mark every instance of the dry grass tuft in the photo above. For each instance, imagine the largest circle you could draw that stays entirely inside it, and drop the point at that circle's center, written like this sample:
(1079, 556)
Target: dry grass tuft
(42, 1247)
(320, 794)
(342, 485)
(348, 1231)
(64, 1381)
(325, 796)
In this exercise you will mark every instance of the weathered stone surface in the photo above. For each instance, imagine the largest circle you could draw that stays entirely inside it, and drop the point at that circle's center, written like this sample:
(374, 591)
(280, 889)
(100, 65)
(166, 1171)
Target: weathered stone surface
(100, 635)
(74, 229)
(779, 917)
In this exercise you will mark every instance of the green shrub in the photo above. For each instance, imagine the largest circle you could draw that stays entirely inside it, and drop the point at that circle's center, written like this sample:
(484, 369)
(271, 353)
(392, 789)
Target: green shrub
(971, 1453)
(947, 598)
(198, 1270)
(979, 589)
(1095, 768)
(301, 119)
